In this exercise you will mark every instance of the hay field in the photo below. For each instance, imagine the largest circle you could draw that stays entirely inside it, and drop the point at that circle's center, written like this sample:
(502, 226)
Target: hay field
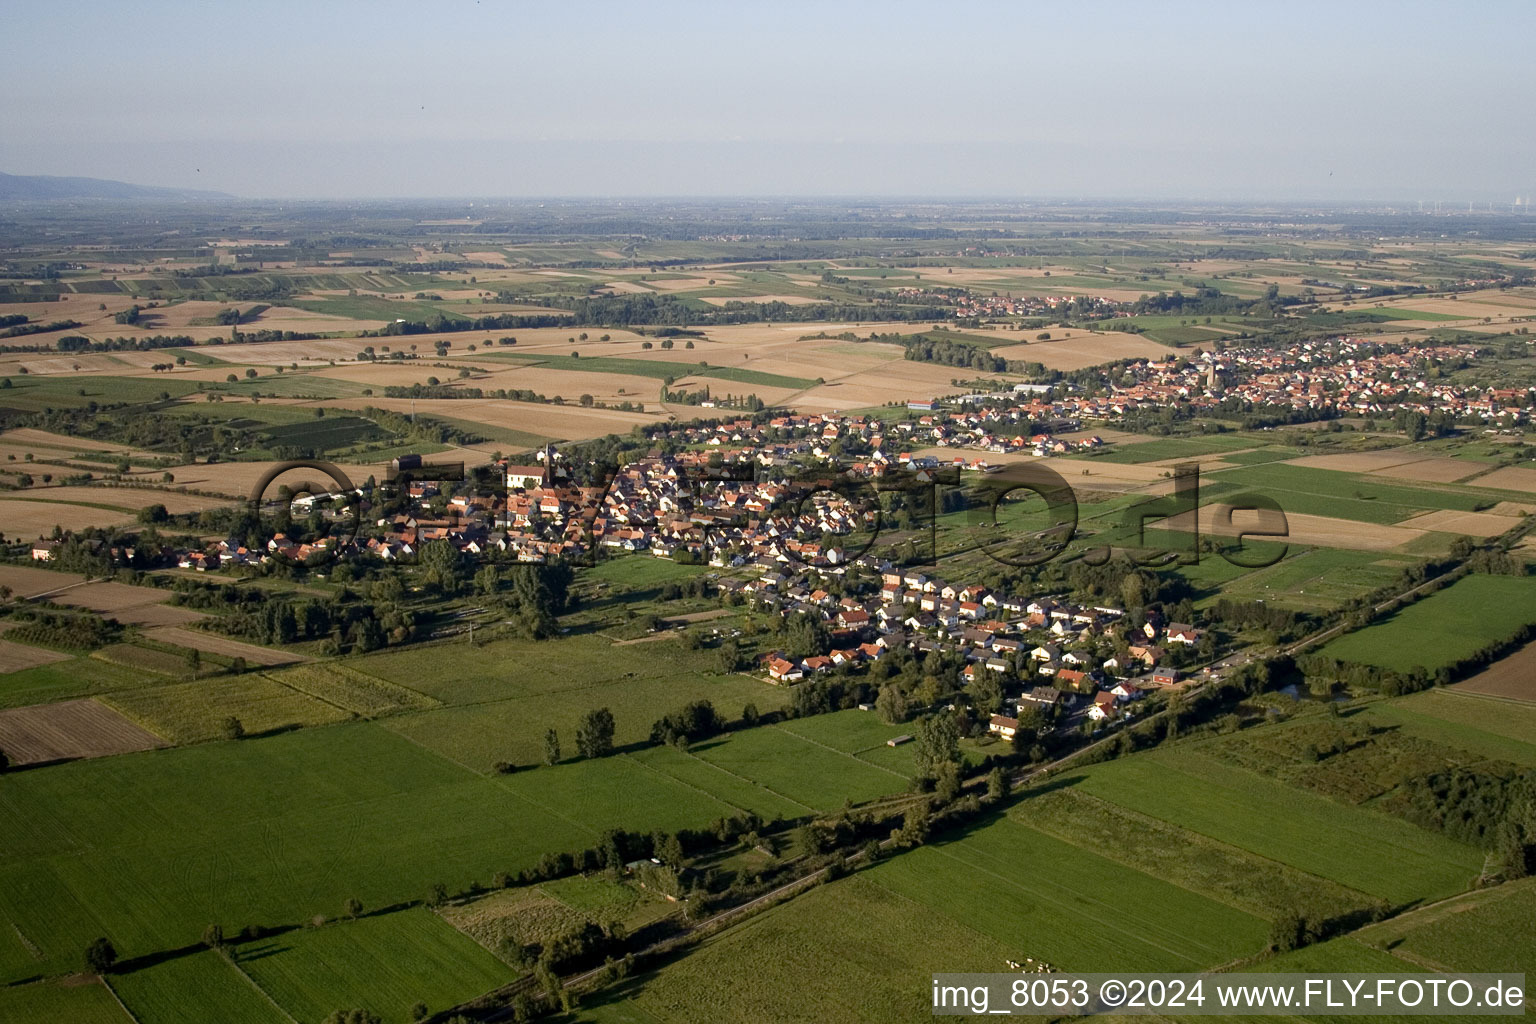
(1510, 478)
(68, 730)
(1512, 677)
(1318, 531)
(1084, 349)
(215, 644)
(1473, 524)
(15, 657)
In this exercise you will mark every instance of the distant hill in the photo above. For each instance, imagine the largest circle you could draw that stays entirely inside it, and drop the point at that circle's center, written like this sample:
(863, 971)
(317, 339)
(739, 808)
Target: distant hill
(42, 186)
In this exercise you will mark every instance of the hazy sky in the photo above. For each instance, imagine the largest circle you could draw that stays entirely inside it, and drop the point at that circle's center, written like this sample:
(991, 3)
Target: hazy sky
(479, 98)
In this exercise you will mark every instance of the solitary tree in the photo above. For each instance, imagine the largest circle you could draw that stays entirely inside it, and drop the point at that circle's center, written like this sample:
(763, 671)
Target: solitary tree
(232, 728)
(594, 734)
(213, 936)
(354, 907)
(100, 956)
(551, 747)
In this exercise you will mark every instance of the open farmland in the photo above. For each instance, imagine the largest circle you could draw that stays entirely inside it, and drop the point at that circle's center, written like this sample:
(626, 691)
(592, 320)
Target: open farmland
(1301, 829)
(213, 643)
(75, 1000)
(1456, 935)
(385, 962)
(1489, 726)
(1513, 676)
(145, 606)
(192, 712)
(1443, 628)
(195, 988)
(67, 730)
(803, 955)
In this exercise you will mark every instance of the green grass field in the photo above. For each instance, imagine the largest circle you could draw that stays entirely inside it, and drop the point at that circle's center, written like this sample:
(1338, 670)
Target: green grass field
(1491, 728)
(799, 769)
(1328, 492)
(1292, 826)
(1417, 314)
(795, 963)
(1444, 627)
(1050, 899)
(1456, 935)
(385, 963)
(195, 989)
(194, 711)
(657, 369)
(1195, 448)
(61, 1002)
(78, 677)
(512, 729)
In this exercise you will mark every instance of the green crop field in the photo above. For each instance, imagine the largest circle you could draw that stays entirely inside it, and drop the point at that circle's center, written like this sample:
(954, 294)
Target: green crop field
(707, 777)
(195, 989)
(802, 957)
(1418, 314)
(1498, 729)
(34, 393)
(639, 571)
(194, 711)
(1192, 861)
(385, 963)
(657, 369)
(1045, 898)
(1282, 823)
(1444, 627)
(293, 385)
(61, 1002)
(336, 683)
(1329, 492)
(799, 769)
(1458, 935)
(512, 729)
(1314, 579)
(1201, 447)
(78, 677)
(215, 834)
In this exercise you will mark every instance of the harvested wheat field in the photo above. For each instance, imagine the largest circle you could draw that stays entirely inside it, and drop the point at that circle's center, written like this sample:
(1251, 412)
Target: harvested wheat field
(129, 604)
(1359, 462)
(130, 498)
(1473, 524)
(1512, 677)
(1513, 508)
(236, 479)
(68, 730)
(215, 644)
(30, 581)
(15, 657)
(567, 422)
(1084, 349)
(1318, 531)
(1433, 471)
(27, 520)
(1510, 478)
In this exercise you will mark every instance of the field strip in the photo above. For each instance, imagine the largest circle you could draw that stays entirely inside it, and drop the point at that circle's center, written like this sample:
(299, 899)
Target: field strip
(1074, 907)
(983, 855)
(753, 782)
(1495, 698)
(586, 829)
(681, 782)
(842, 753)
(252, 982)
(119, 1000)
(1237, 852)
